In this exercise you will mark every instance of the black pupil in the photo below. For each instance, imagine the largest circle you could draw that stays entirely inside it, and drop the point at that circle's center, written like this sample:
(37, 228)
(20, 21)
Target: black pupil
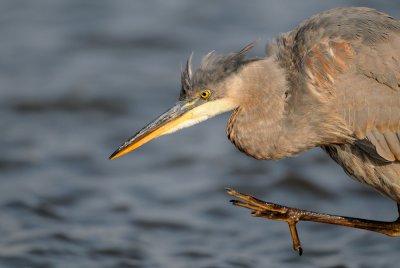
(204, 94)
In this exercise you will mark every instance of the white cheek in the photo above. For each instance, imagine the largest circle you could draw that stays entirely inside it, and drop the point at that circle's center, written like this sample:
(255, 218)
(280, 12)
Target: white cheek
(187, 123)
(204, 112)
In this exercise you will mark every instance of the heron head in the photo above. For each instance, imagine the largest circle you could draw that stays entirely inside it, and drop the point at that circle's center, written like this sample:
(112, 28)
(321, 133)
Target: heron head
(209, 91)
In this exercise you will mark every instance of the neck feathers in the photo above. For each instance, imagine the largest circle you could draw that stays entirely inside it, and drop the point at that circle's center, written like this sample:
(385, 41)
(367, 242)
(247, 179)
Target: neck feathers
(274, 121)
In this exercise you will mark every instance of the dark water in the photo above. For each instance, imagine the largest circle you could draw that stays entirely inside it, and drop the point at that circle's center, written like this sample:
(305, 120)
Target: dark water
(79, 77)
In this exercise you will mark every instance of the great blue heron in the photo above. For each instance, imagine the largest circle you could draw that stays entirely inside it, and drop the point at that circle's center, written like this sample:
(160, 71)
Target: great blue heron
(333, 82)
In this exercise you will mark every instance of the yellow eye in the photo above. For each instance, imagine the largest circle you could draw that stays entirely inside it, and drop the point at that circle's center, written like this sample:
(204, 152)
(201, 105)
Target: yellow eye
(205, 94)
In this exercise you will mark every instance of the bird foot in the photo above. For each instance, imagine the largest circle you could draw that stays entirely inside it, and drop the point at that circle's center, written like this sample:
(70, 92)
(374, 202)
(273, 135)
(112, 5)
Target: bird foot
(271, 211)
(293, 215)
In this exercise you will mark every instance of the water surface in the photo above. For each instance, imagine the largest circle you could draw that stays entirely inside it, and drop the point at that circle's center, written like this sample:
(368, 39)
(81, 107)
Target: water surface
(79, 77)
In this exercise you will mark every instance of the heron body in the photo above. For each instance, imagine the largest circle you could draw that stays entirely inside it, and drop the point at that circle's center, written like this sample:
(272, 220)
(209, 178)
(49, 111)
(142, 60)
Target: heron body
(340, 90)
(333, 82)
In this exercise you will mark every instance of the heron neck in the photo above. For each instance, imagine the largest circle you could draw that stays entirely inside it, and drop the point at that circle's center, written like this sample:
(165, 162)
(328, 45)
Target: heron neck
(270, 123)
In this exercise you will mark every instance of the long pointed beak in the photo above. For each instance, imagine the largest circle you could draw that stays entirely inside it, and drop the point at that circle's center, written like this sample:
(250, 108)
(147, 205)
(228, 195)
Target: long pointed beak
(166, 123)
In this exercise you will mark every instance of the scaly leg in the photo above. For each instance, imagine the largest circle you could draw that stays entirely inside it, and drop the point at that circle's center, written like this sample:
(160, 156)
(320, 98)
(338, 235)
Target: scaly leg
(293, 215)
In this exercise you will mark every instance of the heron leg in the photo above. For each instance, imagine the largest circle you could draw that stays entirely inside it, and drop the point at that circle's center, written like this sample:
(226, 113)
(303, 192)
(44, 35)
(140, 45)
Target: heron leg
(293, 215)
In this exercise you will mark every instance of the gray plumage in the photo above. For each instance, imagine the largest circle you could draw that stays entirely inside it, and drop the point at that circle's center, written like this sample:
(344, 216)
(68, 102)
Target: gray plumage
(332, 82)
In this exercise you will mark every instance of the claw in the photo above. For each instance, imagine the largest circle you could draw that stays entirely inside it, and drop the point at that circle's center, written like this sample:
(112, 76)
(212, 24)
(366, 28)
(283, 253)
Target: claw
(300, 251)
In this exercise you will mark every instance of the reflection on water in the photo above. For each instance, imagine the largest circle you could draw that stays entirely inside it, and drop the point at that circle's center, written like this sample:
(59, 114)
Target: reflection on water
(78, 78)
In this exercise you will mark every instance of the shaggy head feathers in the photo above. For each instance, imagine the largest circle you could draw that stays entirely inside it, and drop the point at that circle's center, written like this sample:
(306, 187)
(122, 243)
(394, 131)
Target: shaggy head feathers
(213, 69)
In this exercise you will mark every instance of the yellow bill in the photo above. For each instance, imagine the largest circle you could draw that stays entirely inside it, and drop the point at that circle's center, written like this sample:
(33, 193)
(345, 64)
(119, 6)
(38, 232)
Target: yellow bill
(183, 114)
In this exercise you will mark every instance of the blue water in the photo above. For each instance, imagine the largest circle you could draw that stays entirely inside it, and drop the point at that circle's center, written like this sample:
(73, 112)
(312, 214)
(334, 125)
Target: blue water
(79, 77)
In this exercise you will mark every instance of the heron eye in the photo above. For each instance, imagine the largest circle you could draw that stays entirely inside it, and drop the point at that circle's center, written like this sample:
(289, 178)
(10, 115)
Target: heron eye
(205, 94)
